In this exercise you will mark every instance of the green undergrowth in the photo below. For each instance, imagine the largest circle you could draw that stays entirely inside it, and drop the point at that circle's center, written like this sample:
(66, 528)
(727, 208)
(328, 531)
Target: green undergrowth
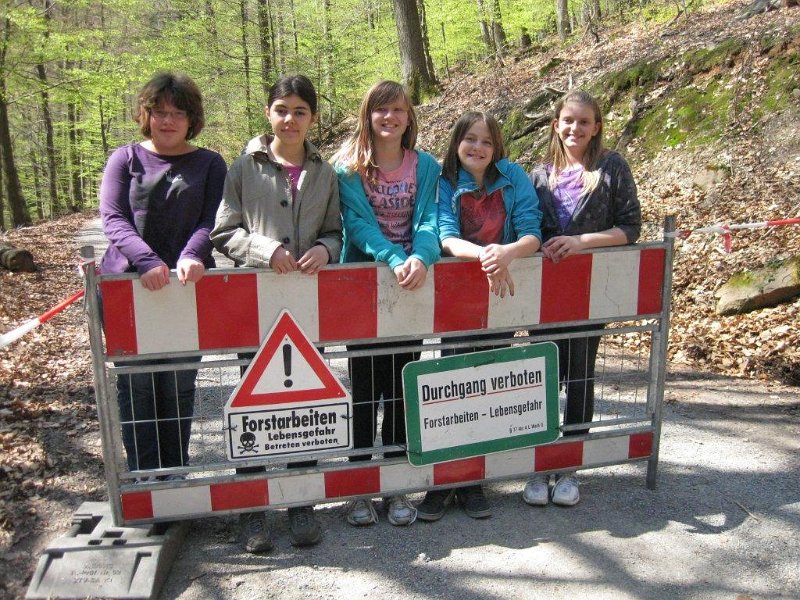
(782, 75)
(693, 116)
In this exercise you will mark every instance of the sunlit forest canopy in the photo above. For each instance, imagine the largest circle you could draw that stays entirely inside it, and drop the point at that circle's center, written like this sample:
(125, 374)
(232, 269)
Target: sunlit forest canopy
(70, 69)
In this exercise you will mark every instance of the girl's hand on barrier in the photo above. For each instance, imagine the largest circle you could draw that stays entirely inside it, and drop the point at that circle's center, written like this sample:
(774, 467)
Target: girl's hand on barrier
(282, 261)
(156, 278)
(313, 260)
(501, 283)
(495, 258)
(411, 274)
(190, 269)
(562, 246)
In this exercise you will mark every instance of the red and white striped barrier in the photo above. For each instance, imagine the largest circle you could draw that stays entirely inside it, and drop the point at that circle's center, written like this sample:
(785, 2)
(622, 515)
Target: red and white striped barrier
(181, 500)
(236, 309)
(725, 229)
(15, 334)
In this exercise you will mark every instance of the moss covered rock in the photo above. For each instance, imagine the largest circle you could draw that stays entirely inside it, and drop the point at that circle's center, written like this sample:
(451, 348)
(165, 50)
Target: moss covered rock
(769, 286)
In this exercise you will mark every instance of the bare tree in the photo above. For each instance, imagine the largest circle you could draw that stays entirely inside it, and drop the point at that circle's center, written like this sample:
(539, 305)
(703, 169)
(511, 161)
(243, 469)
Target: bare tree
(562, 18)
(265, 40)
(483, 22)
(498, 33)
(16, 202)
(246, 65)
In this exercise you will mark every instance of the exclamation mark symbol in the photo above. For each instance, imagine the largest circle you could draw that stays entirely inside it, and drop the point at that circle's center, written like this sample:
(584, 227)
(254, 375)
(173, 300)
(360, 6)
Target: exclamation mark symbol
(287, 364)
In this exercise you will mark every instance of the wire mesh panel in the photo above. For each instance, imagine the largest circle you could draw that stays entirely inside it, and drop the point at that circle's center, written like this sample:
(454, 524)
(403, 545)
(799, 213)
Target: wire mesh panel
(163, 386)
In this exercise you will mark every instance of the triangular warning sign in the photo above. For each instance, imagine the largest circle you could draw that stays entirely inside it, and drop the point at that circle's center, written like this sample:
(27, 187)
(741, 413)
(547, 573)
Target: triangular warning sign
(286, 369)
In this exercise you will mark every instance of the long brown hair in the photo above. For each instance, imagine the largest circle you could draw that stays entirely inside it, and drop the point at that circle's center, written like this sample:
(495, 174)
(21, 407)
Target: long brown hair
(557, 156)
(451, 163)
(356, 152)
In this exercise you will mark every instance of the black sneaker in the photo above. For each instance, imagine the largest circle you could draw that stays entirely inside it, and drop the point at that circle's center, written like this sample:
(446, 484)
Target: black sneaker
(434, 504)
(474, 502)
(303, 526)
(254, 532)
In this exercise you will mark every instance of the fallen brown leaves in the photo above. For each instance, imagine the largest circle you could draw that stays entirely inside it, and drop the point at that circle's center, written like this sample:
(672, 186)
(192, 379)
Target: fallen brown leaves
(50, 459)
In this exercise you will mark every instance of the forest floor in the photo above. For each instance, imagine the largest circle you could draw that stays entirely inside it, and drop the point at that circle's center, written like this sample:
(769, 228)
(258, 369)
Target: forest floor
(51, 458)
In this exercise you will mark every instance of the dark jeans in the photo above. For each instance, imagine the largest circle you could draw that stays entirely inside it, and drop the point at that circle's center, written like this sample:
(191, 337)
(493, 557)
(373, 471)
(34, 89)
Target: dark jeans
(373, 377)
(576, 366)
(156, 410)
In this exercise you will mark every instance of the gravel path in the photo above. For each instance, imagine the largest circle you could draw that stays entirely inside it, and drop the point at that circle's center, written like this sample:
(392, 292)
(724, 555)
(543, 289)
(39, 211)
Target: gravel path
(723, 522)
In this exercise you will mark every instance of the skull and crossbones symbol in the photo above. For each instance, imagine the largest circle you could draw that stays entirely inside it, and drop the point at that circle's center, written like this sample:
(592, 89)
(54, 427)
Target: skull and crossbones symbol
(248, 442)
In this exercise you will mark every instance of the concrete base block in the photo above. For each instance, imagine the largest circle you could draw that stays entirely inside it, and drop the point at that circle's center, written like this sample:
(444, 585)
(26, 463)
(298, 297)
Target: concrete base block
(98, 560)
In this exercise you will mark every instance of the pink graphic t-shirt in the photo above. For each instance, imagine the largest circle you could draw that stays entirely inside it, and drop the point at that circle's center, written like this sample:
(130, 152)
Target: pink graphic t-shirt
(392, 198)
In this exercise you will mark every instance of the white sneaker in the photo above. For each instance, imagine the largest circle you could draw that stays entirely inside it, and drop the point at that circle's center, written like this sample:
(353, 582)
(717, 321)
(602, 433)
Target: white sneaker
(537, 491)
(361, 511)
(400, 510)
(566, 491)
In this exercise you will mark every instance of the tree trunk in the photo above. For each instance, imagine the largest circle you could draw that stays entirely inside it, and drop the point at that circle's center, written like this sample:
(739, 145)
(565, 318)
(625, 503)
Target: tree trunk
(16, 202)
(486, 30)
(279, 44)
(37, 188)
(498, 33)
(246, 63)
(264, 38)
(426, 46)
(562, 18)
(2, 195)
(415, 75)
(47, 118)
(372, 17)
(50, 148)
(74, 157)
(294, 28)
(330, 81)
(15, 259)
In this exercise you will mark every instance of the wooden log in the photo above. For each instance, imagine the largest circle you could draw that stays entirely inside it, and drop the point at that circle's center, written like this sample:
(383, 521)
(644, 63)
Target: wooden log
(15, 259)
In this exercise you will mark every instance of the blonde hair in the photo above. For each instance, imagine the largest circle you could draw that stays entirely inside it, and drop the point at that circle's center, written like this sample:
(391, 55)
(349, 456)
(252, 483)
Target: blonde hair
(356, 153)
(557, 156)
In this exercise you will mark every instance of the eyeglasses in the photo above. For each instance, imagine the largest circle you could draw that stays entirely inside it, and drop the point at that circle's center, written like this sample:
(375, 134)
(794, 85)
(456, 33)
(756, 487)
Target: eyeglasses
(161, 115)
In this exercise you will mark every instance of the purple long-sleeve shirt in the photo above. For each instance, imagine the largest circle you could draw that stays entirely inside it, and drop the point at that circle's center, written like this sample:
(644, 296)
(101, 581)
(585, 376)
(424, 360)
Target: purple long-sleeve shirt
(159, 209)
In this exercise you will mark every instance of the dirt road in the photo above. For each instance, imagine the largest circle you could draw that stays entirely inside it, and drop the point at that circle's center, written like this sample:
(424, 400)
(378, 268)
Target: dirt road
(724, 521)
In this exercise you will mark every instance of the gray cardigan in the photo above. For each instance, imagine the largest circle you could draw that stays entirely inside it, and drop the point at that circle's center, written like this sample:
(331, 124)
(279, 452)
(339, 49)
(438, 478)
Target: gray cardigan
(258, 215)
(613, 203)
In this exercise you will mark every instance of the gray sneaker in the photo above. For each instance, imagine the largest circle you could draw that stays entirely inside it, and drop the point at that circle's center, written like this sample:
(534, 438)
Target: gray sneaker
(361, 512)
(254, 532)
(303, 526)
(537, 491)
(399, 510)
(566, 491)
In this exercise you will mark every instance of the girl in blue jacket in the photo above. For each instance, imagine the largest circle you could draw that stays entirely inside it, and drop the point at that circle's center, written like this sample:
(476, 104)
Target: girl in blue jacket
(388, 199)
(488, 211)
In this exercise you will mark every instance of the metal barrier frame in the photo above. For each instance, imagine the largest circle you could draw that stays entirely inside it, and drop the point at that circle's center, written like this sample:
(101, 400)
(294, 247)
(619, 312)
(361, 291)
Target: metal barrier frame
(630, 440)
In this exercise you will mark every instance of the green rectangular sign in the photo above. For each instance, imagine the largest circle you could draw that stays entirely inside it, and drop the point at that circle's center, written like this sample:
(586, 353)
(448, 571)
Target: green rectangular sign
(473, 404)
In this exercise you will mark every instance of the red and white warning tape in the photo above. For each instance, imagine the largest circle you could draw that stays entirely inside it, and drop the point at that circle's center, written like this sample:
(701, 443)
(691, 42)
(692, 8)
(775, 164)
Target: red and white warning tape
(725, 229)
(15, 334)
